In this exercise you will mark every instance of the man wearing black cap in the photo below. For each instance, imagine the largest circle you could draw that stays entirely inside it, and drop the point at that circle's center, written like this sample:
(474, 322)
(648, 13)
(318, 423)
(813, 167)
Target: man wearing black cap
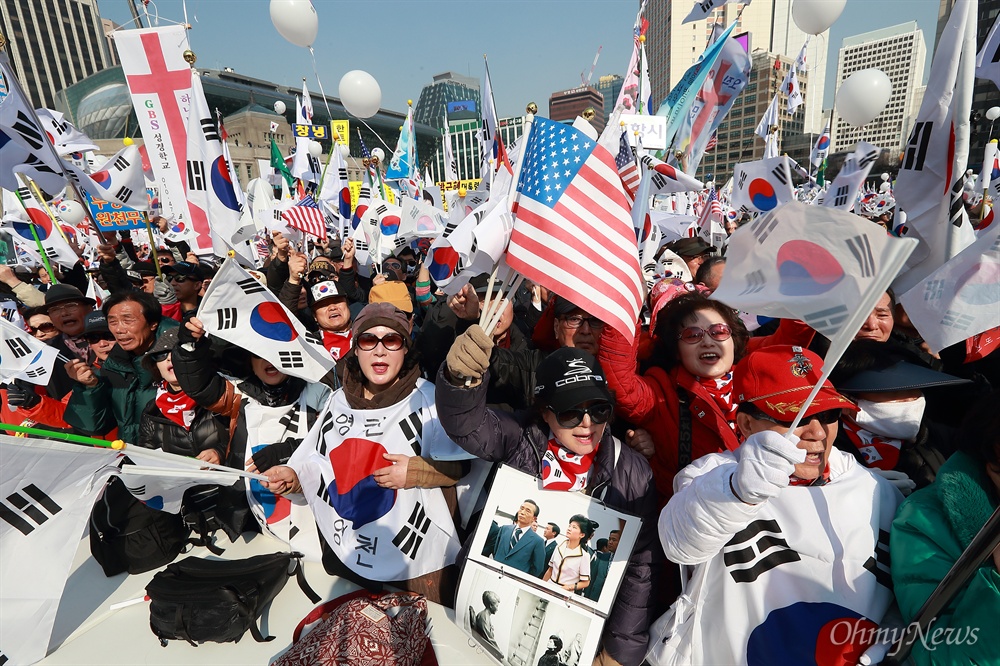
(98, 336)
(186, 278)
(67, 307)
(692, 250)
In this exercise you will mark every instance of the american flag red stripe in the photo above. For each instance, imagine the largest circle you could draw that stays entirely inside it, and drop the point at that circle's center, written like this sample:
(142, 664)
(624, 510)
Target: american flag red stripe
(711, 211)
(306, 217)
(573, 233)
(628, 170)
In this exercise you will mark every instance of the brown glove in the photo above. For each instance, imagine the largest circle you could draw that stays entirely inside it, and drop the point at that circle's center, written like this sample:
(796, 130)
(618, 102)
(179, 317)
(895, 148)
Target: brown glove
(469, 356)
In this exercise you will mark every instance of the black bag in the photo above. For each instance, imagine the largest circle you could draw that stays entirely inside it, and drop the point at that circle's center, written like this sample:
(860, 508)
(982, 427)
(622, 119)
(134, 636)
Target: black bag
(127, 535)
(209, 508)
(200, 600)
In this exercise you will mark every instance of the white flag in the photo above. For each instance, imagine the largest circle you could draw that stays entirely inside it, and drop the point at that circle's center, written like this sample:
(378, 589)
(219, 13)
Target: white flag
(825, 280)
(961, 298)
(23, 356)
(28, 221)
(988, 58)
(162, 486)
(702, 8)
(241, 310)
(665, 179)
(450, 163)
(790, 86)
(48, 489)
(66, 138)
(769, 119)
(763, 185)
(304, 165)
(843, 191)
(119, 180)
(822, 147)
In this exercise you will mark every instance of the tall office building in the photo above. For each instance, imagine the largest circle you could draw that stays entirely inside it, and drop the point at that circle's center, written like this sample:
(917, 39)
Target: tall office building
(898, 51)
(610, 86)
(673, 46)
(447, 89)
(566, 105)
(53, 44)
(465, 146)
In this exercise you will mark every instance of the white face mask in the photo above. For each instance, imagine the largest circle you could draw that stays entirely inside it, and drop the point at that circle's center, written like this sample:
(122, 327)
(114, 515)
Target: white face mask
(898, 420)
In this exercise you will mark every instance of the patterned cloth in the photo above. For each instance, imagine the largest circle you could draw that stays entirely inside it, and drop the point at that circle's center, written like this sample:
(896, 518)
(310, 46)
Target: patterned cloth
(721, 390)
(878, 451)
(564, 470)
(176, 406)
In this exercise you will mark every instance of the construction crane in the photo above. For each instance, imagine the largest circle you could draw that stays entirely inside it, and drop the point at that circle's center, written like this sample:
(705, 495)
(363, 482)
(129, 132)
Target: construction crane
(585, 80)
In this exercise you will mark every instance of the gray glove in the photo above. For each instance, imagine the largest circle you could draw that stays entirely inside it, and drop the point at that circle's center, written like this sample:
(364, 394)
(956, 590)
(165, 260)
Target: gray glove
(903, 483)
(164, 292)
(766, 461)
(469, 356)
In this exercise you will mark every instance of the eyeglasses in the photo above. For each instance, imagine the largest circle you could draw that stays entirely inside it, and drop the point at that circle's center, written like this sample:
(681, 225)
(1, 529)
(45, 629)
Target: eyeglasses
(828, 417)
(391, 341)
(64, 307)
(94, 338)
(692, 335)
(47, 327)
(571, 418)
(393, 265)
(160, 356)
(576, 321)
(181, 279)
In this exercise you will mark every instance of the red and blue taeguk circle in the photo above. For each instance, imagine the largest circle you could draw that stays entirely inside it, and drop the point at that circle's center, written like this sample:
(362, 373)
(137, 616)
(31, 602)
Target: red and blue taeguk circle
(354, 493)
(222, 184)
(762, 194)
(270, 320)
(807, 269)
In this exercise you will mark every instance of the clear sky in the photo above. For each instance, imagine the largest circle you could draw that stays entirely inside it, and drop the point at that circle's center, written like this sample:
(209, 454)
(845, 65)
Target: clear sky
(535, 47)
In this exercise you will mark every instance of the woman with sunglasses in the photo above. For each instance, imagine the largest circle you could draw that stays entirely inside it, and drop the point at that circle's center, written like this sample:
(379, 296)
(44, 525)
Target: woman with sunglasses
(568, 445)
(383, 415)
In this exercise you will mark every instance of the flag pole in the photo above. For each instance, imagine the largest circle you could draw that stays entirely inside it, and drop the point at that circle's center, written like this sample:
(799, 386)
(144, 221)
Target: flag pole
(63, 436)
(38, 243)
(152, 245)
(45, 204)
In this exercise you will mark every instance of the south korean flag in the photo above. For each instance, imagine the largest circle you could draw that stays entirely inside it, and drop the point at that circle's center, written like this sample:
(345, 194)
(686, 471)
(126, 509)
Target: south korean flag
(24, 357)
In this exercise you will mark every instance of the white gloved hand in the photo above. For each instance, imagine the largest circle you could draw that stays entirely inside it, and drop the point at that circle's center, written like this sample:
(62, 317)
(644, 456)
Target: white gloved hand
(766, 461)
(903, 483)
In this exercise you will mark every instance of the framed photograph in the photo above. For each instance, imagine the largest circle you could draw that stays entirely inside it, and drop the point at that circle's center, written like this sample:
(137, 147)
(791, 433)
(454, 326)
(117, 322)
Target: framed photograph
(514, 624)
(571, 546)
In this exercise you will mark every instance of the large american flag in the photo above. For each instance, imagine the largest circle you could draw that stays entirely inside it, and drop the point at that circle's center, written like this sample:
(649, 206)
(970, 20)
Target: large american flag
(573, 233)
(627, 168)
(306, 216)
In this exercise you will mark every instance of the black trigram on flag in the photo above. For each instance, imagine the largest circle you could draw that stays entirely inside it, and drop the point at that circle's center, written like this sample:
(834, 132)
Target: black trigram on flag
(743, 180)
(827, 321)
(861, 248)
(867, 158)
(412, 427)
(381, 210)
(916, 147)
(51, 252)
(35, 373)
(342, 173)
(755, 283)
(227, 318)
(250, 285)
(30, 505)
(956, 205)
(409, 538)
(956, 320)
(290, 359)
(211, 133)
(196, 175)
(24, 126)
(780, 174)
(762, 227)
(840, 198)
(18, 347)
(121, 163)
(879, 565)
(123, 193)
(3, 659)
(290, 421)
(276, 214)
(756, 549)
(314, 337)
(933, 290)
(24, 194)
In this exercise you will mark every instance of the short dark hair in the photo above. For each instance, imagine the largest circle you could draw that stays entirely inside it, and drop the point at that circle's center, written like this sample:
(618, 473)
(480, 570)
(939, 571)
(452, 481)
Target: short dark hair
(554, 528)
(602, 544)
(706, 268)
(558, 641)
(534, 504)
(671, 321)
(587, 526)
(151, 310)
(618, 532)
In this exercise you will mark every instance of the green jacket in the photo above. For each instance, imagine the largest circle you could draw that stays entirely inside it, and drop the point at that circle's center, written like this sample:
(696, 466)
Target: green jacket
(124, 390)
(932, 528)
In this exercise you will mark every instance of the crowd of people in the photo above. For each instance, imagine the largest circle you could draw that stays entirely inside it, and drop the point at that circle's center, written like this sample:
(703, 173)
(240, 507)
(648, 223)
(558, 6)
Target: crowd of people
(756, 543)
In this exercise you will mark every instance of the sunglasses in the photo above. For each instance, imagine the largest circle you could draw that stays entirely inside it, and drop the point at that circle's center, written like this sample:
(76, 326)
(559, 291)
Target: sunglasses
(571, 418)
(181, 279)
(165, 260)
(692, 335)
(160, 356)
(829, 417)
(47, 327)
(391, 341)
(94, 338)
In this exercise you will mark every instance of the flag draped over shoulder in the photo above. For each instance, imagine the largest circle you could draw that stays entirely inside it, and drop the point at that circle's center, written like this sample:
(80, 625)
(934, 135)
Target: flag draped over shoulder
(961, 298)
(48, 489)
(573, 233)
(774, 270)
(241, 310)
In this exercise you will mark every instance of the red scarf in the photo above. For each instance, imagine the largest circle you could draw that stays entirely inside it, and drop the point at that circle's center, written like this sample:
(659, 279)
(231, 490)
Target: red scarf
(821, 480)
(178, 407)
(564, 470)
(337, 343)
(721, 390)
(878, 451)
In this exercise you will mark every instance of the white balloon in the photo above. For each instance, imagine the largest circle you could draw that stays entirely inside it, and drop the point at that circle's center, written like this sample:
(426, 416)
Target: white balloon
(71, 212)
(884, 187)
(886, 176)
(993, 113)
(863, 96)
(295, 20)
(279, 108)
(345, 150)
(360, 93)
(815, 16)
(379, 153)
(315, 148)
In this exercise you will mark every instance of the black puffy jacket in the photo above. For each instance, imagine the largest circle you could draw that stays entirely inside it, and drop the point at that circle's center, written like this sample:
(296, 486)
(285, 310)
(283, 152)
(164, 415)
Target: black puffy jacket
(208, 431)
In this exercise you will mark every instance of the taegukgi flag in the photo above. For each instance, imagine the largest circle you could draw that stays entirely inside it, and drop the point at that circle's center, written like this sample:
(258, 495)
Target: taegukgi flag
(762, 186)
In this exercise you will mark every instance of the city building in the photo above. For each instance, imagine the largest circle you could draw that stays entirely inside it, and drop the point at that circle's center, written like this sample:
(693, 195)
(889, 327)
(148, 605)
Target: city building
(672, 46)
(566, 105)
(466, 147)
(109, 27)
(898, 51)
(736, 138)
(610, 86)
(53, 44)
(457, 94)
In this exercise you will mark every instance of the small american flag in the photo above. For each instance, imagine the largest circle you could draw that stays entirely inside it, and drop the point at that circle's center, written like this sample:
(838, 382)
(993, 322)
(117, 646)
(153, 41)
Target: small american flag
(573, 232)
(711, 211)
(712, 142)
(627, 168)
(306, 216)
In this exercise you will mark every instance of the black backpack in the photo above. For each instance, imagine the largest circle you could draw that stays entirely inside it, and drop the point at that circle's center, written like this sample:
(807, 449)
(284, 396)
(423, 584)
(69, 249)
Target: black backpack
(200, 600)
(127, 535)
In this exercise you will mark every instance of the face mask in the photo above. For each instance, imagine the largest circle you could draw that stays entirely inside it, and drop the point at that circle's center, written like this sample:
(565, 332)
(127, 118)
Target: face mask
(897, 420)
